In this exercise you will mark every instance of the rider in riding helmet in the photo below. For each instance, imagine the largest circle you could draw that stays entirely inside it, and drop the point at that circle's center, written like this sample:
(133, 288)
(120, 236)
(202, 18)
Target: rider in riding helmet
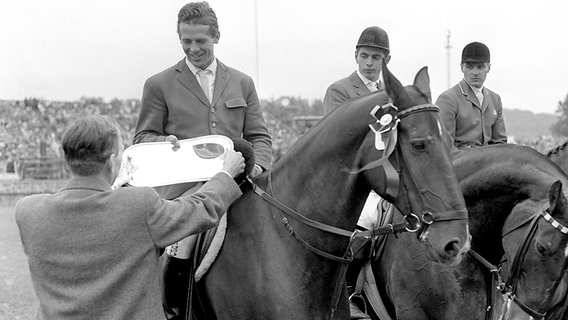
(370, 51)
(471, 113)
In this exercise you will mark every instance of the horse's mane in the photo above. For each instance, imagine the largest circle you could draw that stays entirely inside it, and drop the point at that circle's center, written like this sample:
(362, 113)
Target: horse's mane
(342, 121)
(353, 109)
(557, 149)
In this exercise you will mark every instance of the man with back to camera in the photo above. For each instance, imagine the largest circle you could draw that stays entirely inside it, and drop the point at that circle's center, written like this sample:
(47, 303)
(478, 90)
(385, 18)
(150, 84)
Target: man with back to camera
(471, 113)
(93, 252)
(198, 96)
(371, 50)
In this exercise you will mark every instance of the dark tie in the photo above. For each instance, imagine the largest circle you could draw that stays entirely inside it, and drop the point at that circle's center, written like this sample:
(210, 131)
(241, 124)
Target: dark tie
(380, 86)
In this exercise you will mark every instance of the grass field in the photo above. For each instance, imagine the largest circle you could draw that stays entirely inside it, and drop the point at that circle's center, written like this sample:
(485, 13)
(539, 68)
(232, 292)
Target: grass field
(17, 299)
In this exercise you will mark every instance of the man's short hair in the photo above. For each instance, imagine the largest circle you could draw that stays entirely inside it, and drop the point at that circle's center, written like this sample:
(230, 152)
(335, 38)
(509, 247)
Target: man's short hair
(89, 142)
(199, 13)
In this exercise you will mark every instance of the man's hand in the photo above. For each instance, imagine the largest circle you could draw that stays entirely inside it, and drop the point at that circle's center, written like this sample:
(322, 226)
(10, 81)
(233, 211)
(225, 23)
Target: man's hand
(121, 180)
(174, 141)
(233, 163)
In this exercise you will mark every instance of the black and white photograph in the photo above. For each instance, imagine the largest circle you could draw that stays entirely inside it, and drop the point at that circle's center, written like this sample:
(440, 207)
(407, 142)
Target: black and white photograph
(286, 160)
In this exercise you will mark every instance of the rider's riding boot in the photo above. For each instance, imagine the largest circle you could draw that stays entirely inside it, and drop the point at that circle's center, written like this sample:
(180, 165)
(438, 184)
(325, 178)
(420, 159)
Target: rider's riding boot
(175, 284)
(176, 276)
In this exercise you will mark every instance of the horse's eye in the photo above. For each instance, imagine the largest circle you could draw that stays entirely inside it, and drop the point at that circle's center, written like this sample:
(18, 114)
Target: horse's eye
(542, 250)
(419, 145)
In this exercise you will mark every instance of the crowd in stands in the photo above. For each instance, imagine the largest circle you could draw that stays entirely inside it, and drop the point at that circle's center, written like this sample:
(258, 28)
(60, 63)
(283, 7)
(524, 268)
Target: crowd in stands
(33, 128)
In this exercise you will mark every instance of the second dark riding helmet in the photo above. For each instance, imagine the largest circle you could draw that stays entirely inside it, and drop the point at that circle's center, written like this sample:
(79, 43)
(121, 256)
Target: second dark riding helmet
(475, 52)
(374, 37)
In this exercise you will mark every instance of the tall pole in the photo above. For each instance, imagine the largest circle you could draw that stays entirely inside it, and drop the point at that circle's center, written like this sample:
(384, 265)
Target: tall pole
(256, 43)
(448, 47)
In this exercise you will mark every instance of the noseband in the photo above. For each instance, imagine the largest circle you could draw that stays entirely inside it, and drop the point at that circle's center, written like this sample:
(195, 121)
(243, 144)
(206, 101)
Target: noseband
(412, 223)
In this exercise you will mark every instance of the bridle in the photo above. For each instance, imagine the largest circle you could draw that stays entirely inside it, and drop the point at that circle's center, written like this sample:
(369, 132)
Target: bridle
(508, 287)
(384, 128)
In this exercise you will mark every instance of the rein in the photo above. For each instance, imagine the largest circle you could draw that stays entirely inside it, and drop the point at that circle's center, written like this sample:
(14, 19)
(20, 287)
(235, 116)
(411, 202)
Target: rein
(509, 287)
(347, 257)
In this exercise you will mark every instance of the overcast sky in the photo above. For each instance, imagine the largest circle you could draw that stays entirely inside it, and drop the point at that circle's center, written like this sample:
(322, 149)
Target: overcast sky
(63, 50)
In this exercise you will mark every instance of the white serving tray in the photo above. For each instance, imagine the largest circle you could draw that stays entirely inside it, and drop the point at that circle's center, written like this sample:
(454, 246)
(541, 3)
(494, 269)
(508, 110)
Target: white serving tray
(155, 164)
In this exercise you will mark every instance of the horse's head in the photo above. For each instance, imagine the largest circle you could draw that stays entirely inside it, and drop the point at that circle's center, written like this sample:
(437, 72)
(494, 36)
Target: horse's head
(428, 185)
(535, 240)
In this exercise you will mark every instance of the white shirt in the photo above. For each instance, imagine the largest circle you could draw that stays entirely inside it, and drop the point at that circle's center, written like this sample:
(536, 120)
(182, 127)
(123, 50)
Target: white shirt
(210, 75)
(478, 94)
(371, 85)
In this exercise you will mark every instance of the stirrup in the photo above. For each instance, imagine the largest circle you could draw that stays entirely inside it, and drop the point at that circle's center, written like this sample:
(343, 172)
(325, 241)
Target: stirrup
(359, 314)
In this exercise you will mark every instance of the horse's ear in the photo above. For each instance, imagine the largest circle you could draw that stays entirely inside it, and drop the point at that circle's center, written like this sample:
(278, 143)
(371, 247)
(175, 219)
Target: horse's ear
(422, 82)
(556, 198)
(394, 88)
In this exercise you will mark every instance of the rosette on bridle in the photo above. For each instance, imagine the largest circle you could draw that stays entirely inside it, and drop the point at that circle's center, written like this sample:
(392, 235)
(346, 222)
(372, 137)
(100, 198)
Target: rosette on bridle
(385, 129)
(385, 126)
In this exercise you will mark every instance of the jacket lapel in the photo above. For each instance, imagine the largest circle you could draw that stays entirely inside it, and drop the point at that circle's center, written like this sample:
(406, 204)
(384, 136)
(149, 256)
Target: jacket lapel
(468, 93)
(358, 85)
(188, 80)
(221, 80)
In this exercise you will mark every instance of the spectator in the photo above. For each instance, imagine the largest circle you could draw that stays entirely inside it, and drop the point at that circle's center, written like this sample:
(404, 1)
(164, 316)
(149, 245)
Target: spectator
(93, 252)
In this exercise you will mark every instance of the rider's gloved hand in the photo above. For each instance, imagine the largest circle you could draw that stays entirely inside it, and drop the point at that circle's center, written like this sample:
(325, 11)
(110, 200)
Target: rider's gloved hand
(233, 163)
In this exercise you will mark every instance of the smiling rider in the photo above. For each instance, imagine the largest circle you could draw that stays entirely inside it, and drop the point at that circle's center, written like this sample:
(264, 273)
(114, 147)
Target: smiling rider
(198, 96)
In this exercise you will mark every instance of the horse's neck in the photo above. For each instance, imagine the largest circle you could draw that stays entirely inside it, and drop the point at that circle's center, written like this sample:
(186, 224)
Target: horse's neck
(324, 192)
(486, 220)
(496, 185)
(315, 176)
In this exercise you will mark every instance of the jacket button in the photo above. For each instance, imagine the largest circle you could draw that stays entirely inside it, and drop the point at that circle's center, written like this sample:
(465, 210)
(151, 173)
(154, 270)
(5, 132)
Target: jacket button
(213, 125)
(213, 109)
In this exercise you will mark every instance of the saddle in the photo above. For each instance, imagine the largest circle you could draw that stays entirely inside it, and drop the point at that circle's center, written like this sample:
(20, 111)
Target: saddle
(156, 164)
(368, 251)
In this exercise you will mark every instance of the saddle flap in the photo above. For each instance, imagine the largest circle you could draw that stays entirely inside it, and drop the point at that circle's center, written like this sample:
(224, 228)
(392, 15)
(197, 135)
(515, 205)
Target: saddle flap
(209, 246)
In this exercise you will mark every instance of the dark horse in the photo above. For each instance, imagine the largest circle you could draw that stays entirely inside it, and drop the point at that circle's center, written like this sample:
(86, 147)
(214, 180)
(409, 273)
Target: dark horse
(276, 265)
(506, 187)
(559, 155)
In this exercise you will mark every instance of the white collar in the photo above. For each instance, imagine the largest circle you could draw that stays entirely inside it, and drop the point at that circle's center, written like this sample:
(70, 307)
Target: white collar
(212, 67)
(476, 90)
(366, 80)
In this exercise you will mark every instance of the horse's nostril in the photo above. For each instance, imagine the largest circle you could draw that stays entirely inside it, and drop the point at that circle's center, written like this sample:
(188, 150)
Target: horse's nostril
(452, 248)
